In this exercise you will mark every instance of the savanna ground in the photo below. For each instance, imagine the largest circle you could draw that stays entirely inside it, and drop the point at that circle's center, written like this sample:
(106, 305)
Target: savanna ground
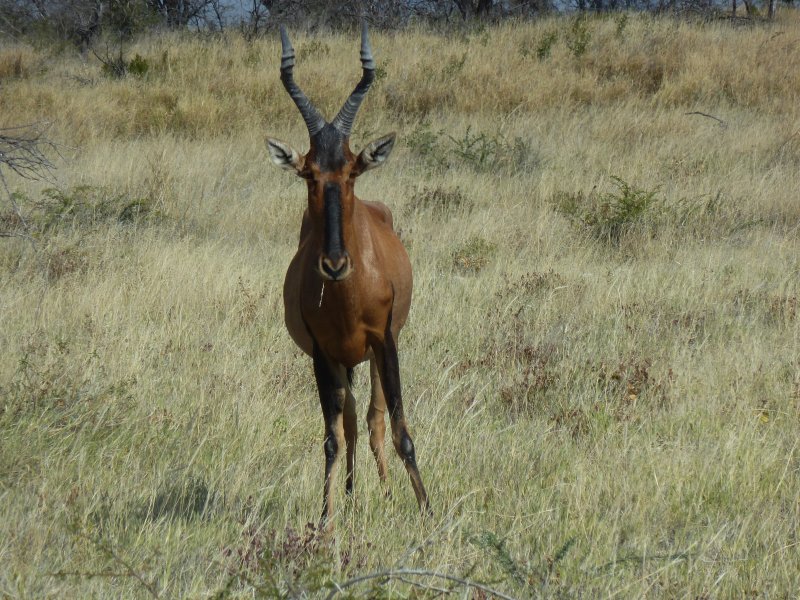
(602, 363)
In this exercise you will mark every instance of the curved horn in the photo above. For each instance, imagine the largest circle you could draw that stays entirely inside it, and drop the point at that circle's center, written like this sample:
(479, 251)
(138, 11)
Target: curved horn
(344, 120)
(311, 116)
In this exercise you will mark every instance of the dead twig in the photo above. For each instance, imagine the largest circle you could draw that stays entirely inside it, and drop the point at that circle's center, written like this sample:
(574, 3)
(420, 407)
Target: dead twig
(779, 151)
(128, 570)
(722, 123)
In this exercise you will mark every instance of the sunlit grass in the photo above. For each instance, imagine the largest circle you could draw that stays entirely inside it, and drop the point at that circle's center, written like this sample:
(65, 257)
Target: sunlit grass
(595, 413)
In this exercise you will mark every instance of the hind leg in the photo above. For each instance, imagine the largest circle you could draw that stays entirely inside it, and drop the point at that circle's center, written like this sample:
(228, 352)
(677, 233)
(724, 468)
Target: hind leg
(376, 424)
(389, 371)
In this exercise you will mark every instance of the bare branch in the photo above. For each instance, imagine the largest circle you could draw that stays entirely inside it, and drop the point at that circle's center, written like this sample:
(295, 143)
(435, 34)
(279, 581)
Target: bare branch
(22, 151)
(402, 573)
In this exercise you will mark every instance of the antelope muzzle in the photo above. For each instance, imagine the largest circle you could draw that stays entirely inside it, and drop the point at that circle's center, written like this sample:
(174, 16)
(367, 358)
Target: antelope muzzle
(335, 267)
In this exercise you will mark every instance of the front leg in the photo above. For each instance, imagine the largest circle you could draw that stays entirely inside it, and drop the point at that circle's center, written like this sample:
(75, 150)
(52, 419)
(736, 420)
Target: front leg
(332, 398)
(389, 371)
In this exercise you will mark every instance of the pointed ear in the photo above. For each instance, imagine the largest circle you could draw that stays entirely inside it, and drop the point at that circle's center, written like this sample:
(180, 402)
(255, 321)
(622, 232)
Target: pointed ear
(284, 155)
(376, 153)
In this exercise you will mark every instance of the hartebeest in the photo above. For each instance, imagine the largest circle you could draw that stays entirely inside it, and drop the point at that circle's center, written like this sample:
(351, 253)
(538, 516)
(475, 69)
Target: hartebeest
(347, 292)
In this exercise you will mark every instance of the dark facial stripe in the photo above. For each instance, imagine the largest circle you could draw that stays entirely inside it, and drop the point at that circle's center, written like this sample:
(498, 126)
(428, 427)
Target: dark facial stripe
(333, 221)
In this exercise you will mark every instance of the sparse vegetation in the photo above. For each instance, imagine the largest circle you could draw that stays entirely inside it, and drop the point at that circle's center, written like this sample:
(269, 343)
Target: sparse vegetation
(601, 365)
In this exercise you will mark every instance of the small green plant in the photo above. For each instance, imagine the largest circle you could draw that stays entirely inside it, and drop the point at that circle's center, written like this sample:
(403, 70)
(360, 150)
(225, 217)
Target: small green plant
(426, 144)
(523, 573)
(313, 48)
(138, 66)
(545, 46)
(478, 150)
(620, 23)
(118, 67)
(454, 66)
(578, 37)
(473, 256)
(482, 151)
(380, 74)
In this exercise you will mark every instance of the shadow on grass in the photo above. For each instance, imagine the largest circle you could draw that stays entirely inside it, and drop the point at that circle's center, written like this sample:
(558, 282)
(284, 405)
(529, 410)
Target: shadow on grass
(182, 500)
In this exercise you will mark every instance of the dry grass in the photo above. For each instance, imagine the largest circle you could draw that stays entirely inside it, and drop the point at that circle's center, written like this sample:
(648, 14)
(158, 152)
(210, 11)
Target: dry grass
(605, 393)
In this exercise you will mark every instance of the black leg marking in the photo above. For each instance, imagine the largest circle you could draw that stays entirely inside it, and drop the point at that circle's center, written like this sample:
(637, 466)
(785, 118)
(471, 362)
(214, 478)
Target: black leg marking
(331, 399)
(391, 371)
(327, 385)
(331, 448)
(407, 450)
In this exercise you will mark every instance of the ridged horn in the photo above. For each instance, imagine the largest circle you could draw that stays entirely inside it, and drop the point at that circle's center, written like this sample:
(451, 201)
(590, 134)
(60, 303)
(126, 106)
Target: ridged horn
(344, 120)
(310, 114)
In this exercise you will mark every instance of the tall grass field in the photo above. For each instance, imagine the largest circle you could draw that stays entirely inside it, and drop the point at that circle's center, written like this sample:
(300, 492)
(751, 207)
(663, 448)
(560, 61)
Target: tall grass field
(601, 368)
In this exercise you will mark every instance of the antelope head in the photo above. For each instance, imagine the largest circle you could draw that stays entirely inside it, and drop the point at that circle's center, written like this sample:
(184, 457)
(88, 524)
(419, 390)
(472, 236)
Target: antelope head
(329, 167)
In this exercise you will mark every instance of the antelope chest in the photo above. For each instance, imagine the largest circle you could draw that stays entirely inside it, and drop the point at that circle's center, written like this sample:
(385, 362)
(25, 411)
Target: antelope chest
(344, 321)
(337, 324)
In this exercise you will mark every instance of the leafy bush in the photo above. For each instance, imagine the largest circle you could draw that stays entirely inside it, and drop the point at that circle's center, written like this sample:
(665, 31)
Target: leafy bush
(608, 215)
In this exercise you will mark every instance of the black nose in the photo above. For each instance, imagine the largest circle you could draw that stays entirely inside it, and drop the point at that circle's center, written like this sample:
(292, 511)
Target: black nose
(335, 266)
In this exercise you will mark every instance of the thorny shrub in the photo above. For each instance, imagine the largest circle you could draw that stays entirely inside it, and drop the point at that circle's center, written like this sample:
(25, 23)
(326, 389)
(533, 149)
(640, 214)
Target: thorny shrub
(532, 283)
(439, 202)
(473, 256)
(607, 215)
(84, 207)
(521, 393)
(625, 386)
(772, 309)
(532, 574)
(295, 562)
